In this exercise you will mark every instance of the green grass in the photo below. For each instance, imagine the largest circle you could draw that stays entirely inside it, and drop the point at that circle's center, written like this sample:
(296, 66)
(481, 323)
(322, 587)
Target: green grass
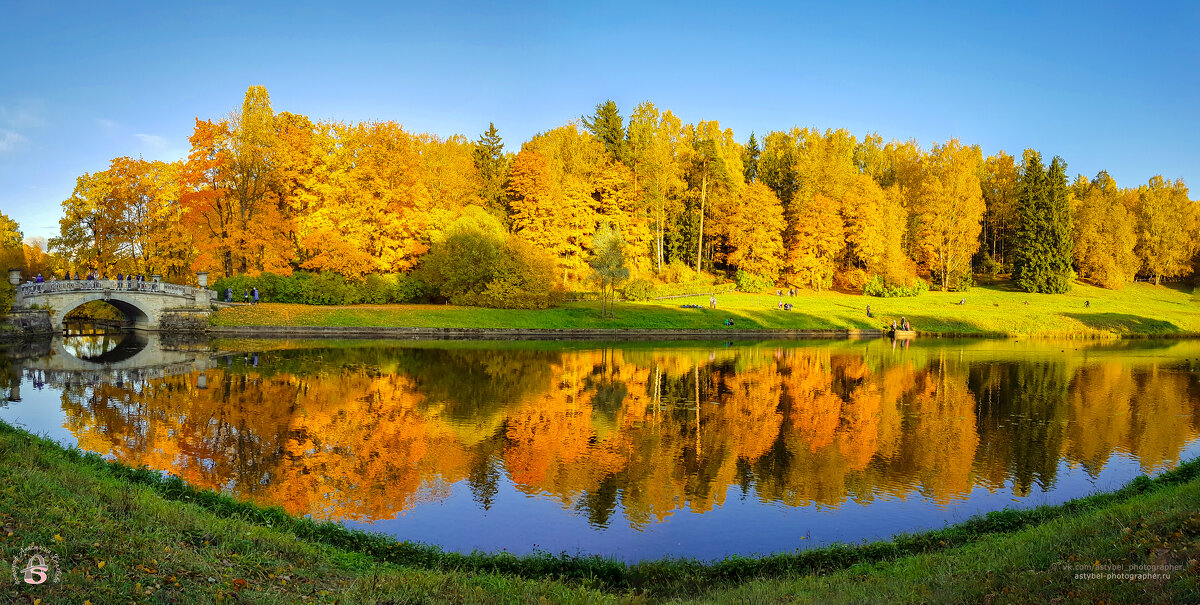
(1138, 310)
(161, 541)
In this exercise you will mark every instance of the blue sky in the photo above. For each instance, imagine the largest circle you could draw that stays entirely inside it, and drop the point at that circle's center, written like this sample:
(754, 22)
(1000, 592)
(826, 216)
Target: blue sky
(1106, 86)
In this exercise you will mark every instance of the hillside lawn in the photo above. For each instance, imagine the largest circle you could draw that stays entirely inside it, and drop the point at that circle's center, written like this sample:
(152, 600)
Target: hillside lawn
(1139, 309)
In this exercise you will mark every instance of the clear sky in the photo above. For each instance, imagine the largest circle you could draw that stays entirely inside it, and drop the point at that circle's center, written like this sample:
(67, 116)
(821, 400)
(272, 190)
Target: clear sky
(1113, 86)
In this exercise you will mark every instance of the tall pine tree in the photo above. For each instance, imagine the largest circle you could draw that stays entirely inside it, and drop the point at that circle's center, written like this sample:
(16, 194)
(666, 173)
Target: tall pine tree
(1042, 259)
(606, 124)
(1059, 244)
(493, 171)
(750, 160)
(1029, 259)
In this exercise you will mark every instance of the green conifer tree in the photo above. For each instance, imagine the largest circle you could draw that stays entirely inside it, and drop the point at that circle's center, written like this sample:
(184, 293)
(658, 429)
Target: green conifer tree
(1030, 265)
(750, 160)
(606, 124)
(493, 171)
(1044, 245)
(1060, 247)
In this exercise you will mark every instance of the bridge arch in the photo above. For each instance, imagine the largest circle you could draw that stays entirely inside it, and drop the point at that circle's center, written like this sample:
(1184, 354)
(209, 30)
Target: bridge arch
(140, 318)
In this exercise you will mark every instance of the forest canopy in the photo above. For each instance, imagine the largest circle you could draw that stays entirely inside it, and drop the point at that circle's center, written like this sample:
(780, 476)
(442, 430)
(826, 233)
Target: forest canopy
(266, 192)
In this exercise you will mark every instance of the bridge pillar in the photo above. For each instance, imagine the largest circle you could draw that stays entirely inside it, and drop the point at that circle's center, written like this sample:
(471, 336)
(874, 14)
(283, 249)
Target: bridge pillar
(202, 300)
(14, 278)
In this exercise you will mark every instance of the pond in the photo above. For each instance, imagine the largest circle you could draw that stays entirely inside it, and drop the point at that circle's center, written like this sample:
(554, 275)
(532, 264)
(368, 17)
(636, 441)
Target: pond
(634, 450)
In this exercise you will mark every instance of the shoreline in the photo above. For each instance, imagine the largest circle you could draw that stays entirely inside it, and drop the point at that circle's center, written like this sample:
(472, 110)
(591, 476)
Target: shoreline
(450, 333)
(196, 525)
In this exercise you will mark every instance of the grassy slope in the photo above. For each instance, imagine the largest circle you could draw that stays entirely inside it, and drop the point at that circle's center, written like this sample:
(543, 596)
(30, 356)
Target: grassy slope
(1139, 309)
(123, 541)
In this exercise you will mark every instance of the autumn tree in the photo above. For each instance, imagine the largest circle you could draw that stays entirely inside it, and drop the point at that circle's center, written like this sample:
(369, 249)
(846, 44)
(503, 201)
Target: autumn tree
(654, 141)
(999, 185)
(11, 257)
(1166, 219)
(713, 160)
(756, 233)
(1105, 234)
(608, 264)
(950, 206)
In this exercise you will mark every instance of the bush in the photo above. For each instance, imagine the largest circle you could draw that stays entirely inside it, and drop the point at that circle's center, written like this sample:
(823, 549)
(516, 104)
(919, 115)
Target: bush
(676, 272)
(961, 282)
(326, 288)
(877, 286)
(408, 289)
(750, 282)
(853, 280)
(491, 270)
(638, 289)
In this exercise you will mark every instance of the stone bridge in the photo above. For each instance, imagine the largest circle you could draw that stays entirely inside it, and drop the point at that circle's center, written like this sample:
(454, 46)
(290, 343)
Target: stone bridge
(144, 304)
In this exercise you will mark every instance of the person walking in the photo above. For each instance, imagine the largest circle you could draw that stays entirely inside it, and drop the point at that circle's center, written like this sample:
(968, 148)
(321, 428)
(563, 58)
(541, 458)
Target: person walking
(712, 302)
(254, 295)
(868, 310)
(245, 296)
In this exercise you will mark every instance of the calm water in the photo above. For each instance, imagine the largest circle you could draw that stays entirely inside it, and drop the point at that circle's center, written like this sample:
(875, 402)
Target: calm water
(638, 450)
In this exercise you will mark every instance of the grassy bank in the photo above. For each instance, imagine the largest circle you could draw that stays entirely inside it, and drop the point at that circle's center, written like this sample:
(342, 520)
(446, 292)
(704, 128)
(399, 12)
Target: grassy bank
(129, 535)
(1138, 310)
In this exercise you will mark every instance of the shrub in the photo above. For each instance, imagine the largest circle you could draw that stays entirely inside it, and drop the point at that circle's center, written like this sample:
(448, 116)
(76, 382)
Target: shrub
(327, 288)
(676, 272)
(853, 280)
(490, 270)
(961, 282)
(408, 289)
(639, 289)
(877, 286)
(749, 282)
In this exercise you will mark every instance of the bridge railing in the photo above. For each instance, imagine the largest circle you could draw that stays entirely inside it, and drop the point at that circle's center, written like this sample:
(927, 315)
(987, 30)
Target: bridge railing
(98, 285)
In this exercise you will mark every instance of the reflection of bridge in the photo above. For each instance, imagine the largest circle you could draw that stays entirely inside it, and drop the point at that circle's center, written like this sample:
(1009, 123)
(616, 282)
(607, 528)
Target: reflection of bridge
(151, 362)
(142, 303)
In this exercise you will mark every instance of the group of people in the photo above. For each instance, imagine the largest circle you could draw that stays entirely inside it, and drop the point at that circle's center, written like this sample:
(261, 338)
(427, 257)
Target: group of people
(249, 296)
(903, 326)
(131, 281)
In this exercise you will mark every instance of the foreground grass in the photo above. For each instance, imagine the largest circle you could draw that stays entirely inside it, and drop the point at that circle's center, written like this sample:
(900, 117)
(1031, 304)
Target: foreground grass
(1138, 310)
(129, 535)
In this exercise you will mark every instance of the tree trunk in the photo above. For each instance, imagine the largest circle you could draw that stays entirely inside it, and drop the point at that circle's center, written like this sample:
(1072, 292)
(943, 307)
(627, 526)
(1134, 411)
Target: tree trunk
(700, 239)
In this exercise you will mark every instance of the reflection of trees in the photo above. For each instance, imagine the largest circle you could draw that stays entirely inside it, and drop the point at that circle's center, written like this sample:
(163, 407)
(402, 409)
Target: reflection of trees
(366, 433)
(1021, 421)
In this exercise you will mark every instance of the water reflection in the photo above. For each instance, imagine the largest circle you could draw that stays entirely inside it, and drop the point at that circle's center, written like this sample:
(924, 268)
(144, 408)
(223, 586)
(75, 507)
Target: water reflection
(633, 435)
(102, 346)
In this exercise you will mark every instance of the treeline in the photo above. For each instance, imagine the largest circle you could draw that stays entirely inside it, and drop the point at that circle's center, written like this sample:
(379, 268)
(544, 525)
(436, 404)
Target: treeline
(266, 192)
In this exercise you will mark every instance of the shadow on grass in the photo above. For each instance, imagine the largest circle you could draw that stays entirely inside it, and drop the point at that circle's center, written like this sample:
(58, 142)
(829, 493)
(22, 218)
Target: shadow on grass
(929, 323)
(1123, 323)
(775, 319)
